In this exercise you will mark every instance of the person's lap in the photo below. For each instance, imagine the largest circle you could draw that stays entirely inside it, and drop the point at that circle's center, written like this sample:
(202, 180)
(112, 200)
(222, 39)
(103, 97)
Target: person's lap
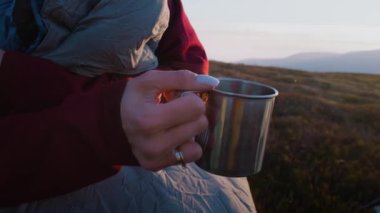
(174, 189)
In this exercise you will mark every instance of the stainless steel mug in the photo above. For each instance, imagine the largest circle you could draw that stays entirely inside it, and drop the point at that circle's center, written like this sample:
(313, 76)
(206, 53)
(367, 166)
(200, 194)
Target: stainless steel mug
(239, 112)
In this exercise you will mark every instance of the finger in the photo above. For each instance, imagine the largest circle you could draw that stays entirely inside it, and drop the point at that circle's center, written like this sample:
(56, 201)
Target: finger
(177, 80)
(161, 117)
(191, 151)
(176, 136)
(181, 110)
(156, 145)
(170, 95)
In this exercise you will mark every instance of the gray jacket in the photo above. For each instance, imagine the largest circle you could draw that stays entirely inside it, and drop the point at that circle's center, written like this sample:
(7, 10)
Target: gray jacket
(92, 37)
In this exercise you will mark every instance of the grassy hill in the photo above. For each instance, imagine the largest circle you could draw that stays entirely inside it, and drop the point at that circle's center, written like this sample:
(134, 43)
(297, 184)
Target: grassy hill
(323, 148)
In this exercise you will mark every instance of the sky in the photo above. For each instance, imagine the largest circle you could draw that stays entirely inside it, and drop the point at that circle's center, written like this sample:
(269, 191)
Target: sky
(232, 30)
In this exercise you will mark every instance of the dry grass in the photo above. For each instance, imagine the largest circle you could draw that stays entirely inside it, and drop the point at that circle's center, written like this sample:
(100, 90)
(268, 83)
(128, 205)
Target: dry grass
(323, 152)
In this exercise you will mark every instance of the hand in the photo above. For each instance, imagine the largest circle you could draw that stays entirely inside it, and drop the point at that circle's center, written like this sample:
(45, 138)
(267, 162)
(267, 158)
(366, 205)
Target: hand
(155, 129)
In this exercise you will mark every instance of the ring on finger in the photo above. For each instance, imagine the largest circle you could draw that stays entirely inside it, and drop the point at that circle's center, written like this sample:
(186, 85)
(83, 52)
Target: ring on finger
(179, 157)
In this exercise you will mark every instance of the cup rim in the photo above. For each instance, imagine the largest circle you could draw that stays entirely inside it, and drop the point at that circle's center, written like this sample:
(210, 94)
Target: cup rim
(274, 91)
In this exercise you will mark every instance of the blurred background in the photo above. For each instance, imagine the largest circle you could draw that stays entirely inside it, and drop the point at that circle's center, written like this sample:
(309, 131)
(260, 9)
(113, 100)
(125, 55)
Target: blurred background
(241, 29)
(323, 149)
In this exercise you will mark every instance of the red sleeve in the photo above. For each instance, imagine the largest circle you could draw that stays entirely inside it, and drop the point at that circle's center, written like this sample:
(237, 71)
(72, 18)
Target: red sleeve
(180, 47)
(57, 149)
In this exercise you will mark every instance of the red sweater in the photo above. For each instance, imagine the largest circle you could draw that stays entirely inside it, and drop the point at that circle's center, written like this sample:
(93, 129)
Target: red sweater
(60, 131)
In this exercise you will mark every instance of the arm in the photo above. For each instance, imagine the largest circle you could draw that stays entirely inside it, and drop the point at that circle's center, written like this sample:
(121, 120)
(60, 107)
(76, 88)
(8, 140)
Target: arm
(73, 140)
(180, 47)
(61, 148)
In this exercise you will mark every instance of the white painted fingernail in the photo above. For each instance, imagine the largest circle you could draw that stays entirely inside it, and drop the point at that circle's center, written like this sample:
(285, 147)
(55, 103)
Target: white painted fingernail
(209, 80)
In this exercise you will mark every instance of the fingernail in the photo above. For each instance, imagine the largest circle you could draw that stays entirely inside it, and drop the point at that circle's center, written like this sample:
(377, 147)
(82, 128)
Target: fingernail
(206, 79)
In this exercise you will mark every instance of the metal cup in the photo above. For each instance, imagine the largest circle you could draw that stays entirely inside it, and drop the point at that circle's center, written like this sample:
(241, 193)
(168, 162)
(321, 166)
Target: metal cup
(239, 113)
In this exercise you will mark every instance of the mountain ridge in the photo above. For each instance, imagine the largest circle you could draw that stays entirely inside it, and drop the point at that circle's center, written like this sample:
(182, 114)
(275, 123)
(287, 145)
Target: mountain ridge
(350, 62)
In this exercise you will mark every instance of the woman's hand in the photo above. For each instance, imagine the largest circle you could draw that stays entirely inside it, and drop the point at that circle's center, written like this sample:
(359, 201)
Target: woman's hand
(155, 129)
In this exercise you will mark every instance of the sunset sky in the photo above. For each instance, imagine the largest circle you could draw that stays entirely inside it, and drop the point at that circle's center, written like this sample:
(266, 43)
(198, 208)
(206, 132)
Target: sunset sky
(241, 29)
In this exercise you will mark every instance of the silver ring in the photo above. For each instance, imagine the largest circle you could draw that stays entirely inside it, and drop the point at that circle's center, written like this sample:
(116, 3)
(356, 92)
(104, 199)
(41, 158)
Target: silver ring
(179, 157)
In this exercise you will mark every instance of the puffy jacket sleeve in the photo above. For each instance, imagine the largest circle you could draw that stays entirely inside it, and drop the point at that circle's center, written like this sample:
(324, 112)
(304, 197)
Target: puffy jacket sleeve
(67, 141)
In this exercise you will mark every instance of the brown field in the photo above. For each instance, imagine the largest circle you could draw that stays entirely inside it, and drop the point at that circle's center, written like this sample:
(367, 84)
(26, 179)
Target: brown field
(323, 148)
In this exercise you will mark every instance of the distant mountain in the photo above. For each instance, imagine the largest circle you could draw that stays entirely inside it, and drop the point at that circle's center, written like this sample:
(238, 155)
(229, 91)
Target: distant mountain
(355, 62)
